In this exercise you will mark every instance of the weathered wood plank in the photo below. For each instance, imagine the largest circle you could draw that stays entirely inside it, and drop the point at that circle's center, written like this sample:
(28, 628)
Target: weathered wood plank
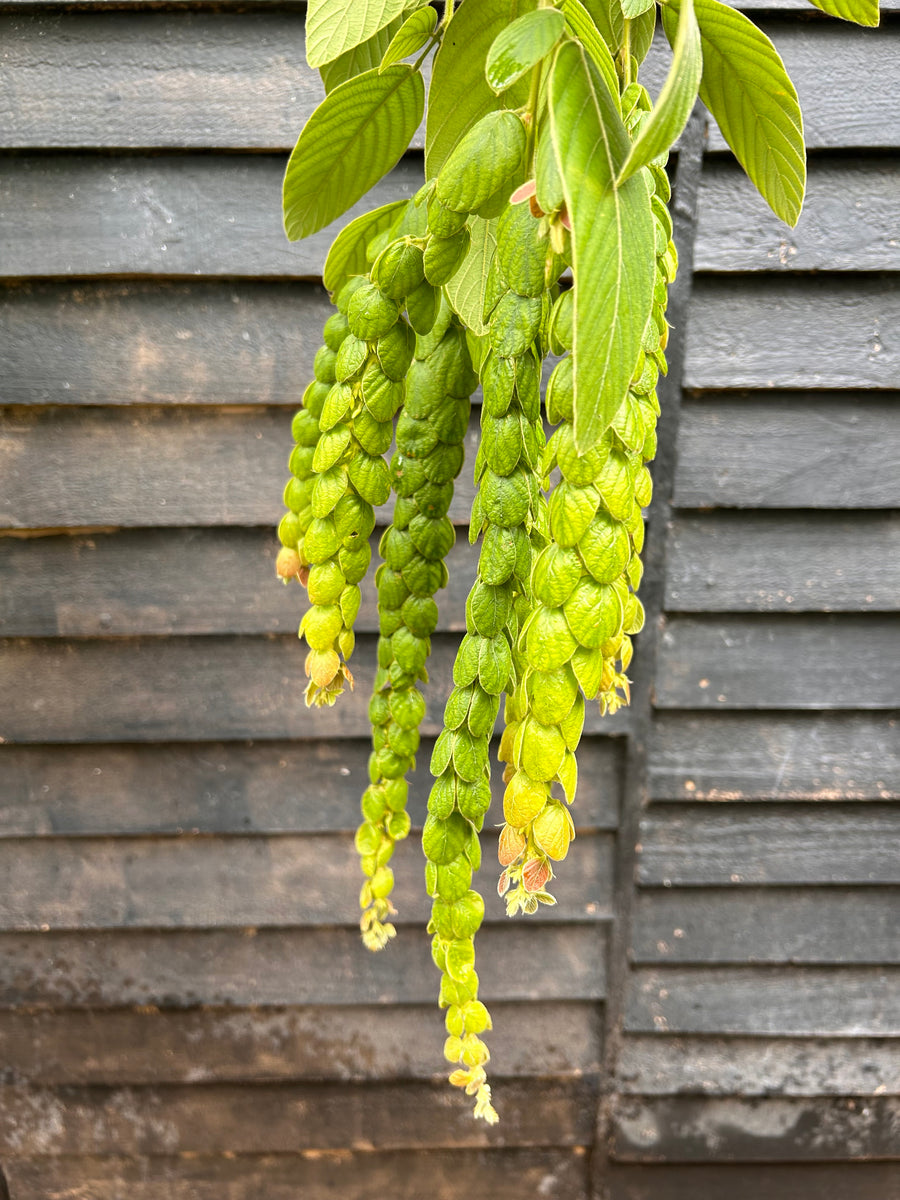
(228, 788)
(287, 1118)
(749, 1181)
(185, 689)
(216, 882)
(779, 662)
(175, 343)
(773, 1129)
(742, 562)
(797, 926)
(167, 215)
(815, 756)
(740, 1066)
(792, 333)
(181, 969)
(747, 846)
(851, 215)
(784, 451)
(150, 1046)
(155, 466)
(353, 1175)
(765, 1001)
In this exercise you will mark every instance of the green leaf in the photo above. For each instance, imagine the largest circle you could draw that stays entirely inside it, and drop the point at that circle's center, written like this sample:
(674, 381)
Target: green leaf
(364, 57)
(634, 8)
(608, 17)
(353, 138)
(748, 91)
(521, 45)
(347, 255)
(613, 241)
(862, 12)
(582, 25)
(411, 37)
(459, 94)
(467, 290)
(673, 107)
(642, 30)
(335, 26)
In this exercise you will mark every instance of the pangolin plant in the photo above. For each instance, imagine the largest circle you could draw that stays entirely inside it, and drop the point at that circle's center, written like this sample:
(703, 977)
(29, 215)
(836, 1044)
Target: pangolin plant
(542, 228)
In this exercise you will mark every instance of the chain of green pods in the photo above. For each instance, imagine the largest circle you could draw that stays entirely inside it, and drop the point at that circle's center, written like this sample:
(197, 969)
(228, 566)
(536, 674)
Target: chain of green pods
(576, 643)
(430, 433)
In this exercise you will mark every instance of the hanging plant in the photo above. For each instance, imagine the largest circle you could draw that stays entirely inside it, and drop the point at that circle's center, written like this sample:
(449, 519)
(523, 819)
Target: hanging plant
(542, 228)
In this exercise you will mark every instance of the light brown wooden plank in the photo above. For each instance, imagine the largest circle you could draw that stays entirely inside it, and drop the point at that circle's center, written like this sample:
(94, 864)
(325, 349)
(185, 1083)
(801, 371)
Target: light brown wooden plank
(152, 1046)
(745, 846)
(181, 969)
(784, 562)
(185, 689)
(212, 883)
(797, 756)
(234, 788)
(798, 925)
(765, 1001)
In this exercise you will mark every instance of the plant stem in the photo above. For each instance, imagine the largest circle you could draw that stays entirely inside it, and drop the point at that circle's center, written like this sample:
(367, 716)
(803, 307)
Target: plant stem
(533, 97)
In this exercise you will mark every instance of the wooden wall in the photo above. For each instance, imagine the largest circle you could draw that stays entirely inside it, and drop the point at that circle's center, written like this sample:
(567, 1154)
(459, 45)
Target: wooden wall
(185, 1008)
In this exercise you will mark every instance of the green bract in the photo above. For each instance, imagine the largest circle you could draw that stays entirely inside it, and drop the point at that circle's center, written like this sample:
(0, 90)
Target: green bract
(543, 152)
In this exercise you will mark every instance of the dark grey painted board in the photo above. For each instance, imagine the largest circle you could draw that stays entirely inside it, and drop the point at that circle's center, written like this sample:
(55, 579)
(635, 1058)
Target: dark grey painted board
(765, 1001)
(181, 969)
(758, 1067)
(796, 756)
(352, 1175)
(173, 343)
(168, 215)
(807, 332)
(153, 1046)
(779, 662)
(286, 1118)
(774, 1129)
(783, 562)
(803, 925)
(215, 882)
(851, 215)
(221, 788)
(195, 689)
(706, 845)
(784, 1181)
(788, 451)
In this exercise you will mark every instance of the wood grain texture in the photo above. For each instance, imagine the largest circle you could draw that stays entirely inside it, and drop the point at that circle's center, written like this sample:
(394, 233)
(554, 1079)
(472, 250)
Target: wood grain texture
(186, 968)
(704, 846)
(798, 925)
(774, 1129)
(788, 451)
(166, 215)
(796, 756)
(765, 1001)
(235, 788)
(286, 1118)
(220, 883)
(851, 215)
(749, 1181)
(783, 562)
(779, 662)
(747, 1067)
(196, 689)
(351, 1174)
(174, 343)
(339, 1043)
(790, 332)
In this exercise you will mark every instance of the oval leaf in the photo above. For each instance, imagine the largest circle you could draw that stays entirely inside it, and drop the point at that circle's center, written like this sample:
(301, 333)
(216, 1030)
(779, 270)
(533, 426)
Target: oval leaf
(748, 91)
(673, 107)
(364, 57)
(862, 12)
(521, 45)
(582, 25)
(353, 138)
(634, 8)
(612, 241)
(335, 26)
(412, 36)
(347, 255)
(468, 289)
